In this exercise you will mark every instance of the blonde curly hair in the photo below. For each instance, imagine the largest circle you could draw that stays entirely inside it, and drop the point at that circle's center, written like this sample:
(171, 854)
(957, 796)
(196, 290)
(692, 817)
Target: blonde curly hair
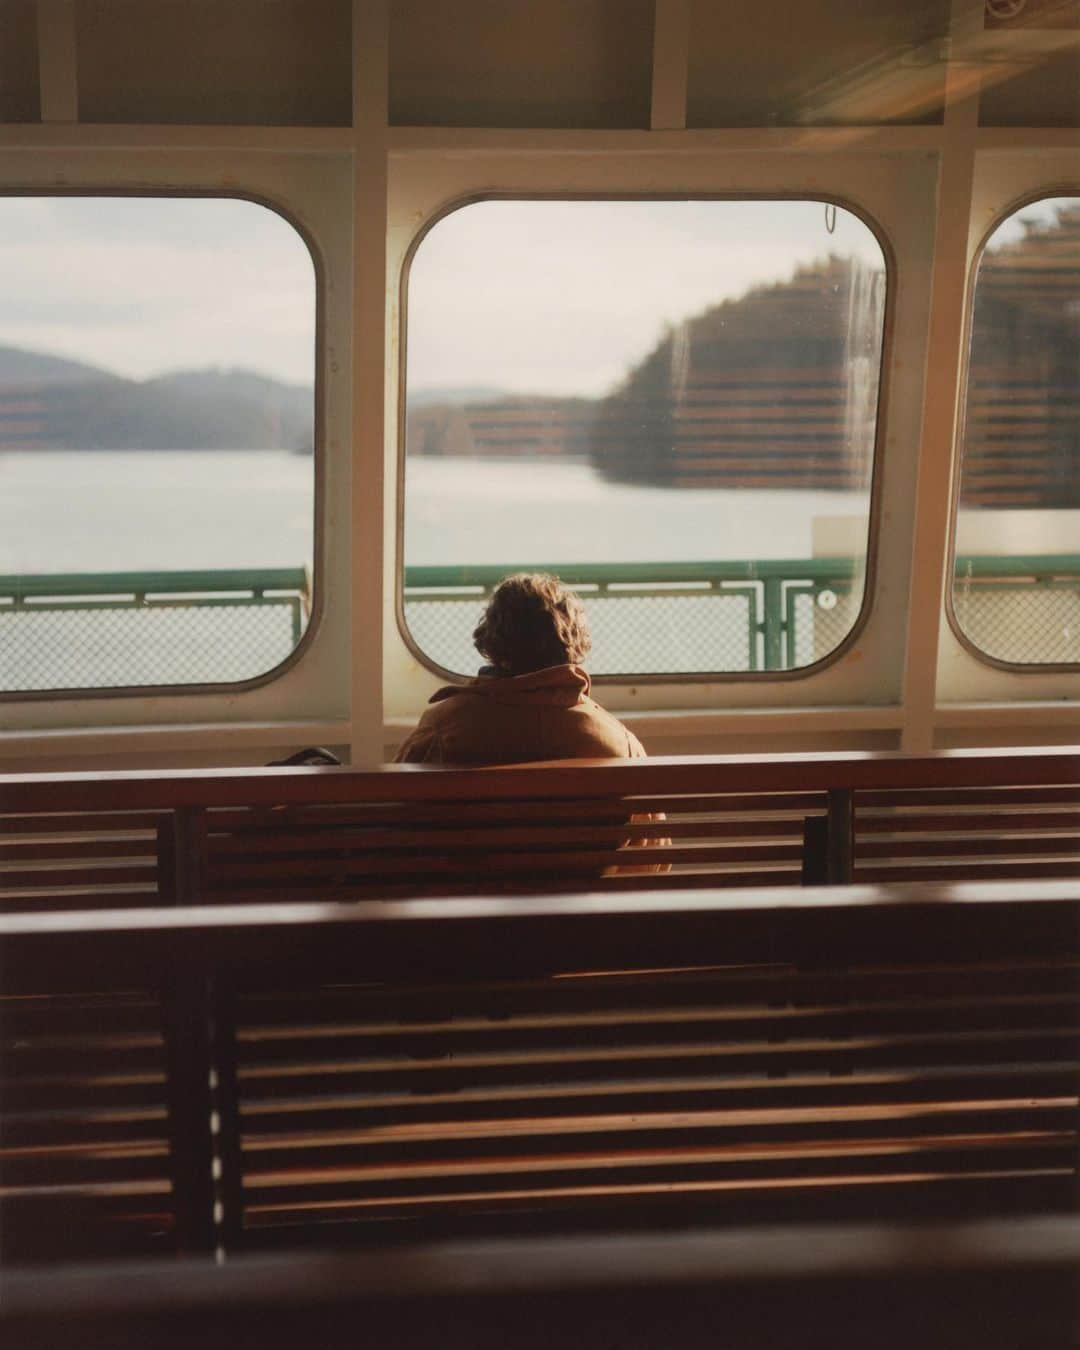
(532, 621)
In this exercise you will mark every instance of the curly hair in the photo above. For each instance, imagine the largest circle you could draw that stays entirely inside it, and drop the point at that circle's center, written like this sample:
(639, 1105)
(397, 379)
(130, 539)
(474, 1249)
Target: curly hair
(532, 621)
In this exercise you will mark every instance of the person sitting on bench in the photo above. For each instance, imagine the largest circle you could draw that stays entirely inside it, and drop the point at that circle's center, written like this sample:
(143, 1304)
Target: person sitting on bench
(532, 701)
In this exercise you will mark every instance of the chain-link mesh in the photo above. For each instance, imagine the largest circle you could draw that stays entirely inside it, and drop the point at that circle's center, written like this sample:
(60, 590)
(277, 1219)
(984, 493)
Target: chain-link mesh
(724, 631)
(662, 633)
(632, 634)
(1027, 623)
(637, 630)
(108, 646)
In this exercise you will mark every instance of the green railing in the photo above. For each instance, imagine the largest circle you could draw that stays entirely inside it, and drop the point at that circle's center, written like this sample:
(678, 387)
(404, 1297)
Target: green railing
(1024, 609)
(773, 614)
(762, 596)
(71, 591)
(103, 630)
(116, 629)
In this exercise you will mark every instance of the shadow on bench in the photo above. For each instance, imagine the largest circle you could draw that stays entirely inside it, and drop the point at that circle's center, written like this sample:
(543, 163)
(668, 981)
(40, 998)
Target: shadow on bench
(256, 1076)
(83, 841)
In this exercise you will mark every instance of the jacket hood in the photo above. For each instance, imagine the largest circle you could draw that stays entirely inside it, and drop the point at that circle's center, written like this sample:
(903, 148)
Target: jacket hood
(553, 687)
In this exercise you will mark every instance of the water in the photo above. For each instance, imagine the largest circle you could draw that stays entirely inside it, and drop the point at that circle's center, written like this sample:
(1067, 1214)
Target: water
(482, 512)
(101, 511)
(120, 511)
(168, 510)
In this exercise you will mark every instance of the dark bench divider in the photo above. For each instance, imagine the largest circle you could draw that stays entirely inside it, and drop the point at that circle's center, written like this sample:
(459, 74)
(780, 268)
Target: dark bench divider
(388, 1069)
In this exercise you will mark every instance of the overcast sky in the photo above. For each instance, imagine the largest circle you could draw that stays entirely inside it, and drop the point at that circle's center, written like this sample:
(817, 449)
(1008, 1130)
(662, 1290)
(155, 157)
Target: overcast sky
(565, 297)
(559, 297)
(145, 285)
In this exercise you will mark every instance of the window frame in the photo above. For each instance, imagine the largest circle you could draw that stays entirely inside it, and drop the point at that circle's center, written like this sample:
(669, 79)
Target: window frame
(984, 658)
(318, 532)
(877, 472)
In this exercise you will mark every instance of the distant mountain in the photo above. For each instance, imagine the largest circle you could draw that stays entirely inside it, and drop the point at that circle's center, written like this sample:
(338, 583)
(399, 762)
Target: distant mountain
(453, 395)
(47, 402)
(241, 407)
(21, 367)
(759, 391)
(212, 381)
(507, 426)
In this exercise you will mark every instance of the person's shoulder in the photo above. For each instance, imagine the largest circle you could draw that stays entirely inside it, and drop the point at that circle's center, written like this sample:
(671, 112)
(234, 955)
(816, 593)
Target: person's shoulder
(424, 745)
(618, 739)
(419, 747)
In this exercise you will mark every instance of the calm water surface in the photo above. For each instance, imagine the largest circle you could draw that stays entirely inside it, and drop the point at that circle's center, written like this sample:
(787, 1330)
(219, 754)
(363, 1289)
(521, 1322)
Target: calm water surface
(99, 511)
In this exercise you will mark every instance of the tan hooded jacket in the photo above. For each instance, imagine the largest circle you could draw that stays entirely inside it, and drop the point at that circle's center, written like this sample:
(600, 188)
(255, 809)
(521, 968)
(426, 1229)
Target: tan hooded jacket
(546, 714)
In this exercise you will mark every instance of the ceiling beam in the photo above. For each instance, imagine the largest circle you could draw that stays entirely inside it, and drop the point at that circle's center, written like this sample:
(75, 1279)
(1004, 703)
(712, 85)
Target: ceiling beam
(57, 61)
(670, 68)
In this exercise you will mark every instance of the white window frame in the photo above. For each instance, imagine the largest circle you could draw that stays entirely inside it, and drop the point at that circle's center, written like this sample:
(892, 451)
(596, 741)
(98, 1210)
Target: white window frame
(970, 686)
(863, 680)
(301, 700)
(873, 511)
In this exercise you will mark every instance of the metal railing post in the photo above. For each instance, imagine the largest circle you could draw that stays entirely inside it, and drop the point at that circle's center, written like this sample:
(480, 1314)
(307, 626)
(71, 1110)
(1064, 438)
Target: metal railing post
(774, 623)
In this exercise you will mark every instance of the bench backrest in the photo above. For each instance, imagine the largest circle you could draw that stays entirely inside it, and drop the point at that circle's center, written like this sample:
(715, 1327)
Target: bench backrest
(374, 1070)
(92, 840)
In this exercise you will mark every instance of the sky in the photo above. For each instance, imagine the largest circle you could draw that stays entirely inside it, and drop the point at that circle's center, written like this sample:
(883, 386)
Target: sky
(561, 297)
(1013, 227)
(556, 296)
(565, 297)
(142, 285)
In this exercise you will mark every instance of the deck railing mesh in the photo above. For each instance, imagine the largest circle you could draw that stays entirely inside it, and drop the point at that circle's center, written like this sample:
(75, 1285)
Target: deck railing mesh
(140, 630)
(136, 630)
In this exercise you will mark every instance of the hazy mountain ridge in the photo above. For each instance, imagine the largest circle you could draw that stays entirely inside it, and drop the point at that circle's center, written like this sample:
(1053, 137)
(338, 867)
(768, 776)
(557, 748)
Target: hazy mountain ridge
(50, 402)
(20, 367)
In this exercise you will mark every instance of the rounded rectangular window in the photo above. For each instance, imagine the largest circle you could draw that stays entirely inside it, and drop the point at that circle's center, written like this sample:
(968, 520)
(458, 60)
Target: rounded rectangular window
(672, 404)
(157, 484)
(1016, 569)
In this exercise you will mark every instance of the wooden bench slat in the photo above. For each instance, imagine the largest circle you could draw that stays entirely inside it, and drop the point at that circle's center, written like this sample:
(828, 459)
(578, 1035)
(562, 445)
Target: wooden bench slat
(382, 1043)
(126, 1164)
(854, 1129)
(75, 1126)
(375, 839)
(86, 822)
(1029, 795)
(51, 850)
(766, 1098)
(968, 870)
(960, 822)
(1062, 845)
(308, 870)
(75, 877)
(762, 1167)
(799, 772)
(64, 901)
(776, 984)
(535, 884)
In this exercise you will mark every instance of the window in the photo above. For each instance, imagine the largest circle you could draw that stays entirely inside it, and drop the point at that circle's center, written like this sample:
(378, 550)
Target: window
(672, 404)
(1016, 580)
(157, 487)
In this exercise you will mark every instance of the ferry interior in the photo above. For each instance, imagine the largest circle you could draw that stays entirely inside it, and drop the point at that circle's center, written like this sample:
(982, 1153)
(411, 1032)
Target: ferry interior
(921, 152)
(759, 326)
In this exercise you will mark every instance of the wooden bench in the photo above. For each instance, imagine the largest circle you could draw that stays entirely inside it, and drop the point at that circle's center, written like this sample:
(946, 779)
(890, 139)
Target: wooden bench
(117, 839)
(245, 1077)
(1009, 1284)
